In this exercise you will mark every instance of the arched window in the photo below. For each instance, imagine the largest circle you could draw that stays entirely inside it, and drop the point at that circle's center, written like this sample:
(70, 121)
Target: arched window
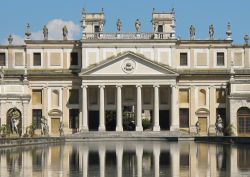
(202, 97)
(55, 98)
(243, 119)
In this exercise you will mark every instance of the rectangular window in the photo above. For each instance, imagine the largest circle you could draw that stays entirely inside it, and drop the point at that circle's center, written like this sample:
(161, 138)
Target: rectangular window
(97, 29)
(184, 96)
(36, 118)
(74, 118)
(74, 96)
(183, 59)
(220, 95)
(37, 59)
(74, 59)
(220, 59)
(36, 97)
(160, 28)
(2, 59)
(184, 118)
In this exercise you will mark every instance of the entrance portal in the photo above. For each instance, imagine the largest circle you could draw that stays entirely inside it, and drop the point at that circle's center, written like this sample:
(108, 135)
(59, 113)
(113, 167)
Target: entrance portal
(243, 119)
(203, 125)
(55, 124)
(164, 119)
(93, 120)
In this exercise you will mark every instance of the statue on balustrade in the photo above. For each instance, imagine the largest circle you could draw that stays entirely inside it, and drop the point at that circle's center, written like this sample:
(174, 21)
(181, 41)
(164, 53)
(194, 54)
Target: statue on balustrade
(65, 33)
(137, 25)
(211, 32)
(45, 127)
(219, 126)
(45, 32)
(192, 32)
(119, 25)
(61, 129)
(198, 129)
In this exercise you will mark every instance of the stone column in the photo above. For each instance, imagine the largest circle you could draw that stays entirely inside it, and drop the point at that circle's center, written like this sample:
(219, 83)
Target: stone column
(156, 108)
(175, 159)
(85, 161)
(174, 109)
(119, 108)
(156, 153)
(139, 109)
(119, 156)
(193, 117)
(65, 117)
(102, 154)
(212, 110)
(101, 109)
(139, 154)
(84, 120)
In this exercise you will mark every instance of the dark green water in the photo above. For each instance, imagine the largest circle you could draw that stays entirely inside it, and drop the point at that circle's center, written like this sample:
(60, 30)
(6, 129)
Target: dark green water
(125, 159)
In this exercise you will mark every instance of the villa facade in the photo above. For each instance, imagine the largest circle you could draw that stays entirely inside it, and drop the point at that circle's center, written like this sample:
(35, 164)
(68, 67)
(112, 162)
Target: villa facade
(171, 82)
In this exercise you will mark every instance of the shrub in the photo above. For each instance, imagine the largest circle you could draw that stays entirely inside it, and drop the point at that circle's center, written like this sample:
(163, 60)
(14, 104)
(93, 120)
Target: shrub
(128, 122)
(146, 124)
(229, 130)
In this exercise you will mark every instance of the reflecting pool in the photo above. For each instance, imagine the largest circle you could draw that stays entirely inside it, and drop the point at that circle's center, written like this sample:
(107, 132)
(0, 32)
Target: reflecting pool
(125, 159)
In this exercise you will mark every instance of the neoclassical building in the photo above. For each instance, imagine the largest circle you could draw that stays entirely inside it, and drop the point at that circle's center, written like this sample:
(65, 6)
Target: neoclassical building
(88, 83)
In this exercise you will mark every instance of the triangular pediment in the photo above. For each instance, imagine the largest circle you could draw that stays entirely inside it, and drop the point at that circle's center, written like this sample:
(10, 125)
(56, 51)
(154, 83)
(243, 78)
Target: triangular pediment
(129, 64)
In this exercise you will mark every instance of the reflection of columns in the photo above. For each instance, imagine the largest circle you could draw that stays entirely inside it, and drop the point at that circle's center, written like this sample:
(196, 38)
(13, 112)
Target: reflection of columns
(85, 161)
(139, 153)
(174, 109)
(175, 159)
(102, 154)
(101, 109)
(119, 109)
(84, 121)
(156, 153)
(213, 162)
(193, 159)
(139, 110)
(234, 162)
(156, 108)
(119, 154)
(212, 110)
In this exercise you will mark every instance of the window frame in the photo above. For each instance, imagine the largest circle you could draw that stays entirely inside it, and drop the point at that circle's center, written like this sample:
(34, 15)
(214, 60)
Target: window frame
(35, 65)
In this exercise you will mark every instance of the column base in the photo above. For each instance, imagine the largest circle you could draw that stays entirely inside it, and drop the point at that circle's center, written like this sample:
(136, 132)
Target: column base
(211, 130)
(119, 129)
(156, 128)
(174, 128)
(84, 129)
(138, 129)
(102, 129)
(192, 129)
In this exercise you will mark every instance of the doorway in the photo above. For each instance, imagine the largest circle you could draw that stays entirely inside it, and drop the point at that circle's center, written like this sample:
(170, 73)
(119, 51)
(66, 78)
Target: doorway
(203, 125)
(55, 124)
(164, 119)
(93, 120)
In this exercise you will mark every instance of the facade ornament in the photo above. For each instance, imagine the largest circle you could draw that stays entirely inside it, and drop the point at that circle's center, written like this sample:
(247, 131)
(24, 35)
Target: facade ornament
(25, 75)
(45, 32)
(83, 23)
(10, 39)
(138, 25)
(65, 33)
(198, 129)
(246, 39)
(229, 31)
(192, 32)
(27, 31)
(211, 32)
(232, 72)
(2, 74)
(219, 126)
(128, 66)
(101, 26)
(119, 25)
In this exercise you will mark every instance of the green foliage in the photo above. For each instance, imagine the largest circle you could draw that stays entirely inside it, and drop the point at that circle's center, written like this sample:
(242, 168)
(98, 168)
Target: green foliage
(110, 120)
(128, 122)
(146, 124)
(30, 131)
(229, 130)
(5, 130)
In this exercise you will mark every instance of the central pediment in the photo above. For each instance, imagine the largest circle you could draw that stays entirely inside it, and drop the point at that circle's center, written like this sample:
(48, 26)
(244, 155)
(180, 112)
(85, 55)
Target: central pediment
(128, 64)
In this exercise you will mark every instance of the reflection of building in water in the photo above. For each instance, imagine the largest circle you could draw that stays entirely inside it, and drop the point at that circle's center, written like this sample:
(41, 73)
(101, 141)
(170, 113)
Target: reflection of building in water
(174, 82)
(120, 159)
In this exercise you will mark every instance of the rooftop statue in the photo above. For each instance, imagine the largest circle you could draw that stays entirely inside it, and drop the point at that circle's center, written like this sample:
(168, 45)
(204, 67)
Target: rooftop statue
(65, 33)
(192, 32)
(45, 32)
(137, 25)
(119, 25)
(10, 39)
(211, 32)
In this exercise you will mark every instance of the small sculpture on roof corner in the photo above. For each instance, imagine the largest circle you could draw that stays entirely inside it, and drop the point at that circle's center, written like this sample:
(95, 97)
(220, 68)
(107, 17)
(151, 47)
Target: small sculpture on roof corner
(138, 25)
(211, 32)
(45, 32)
(229, 31)
(10, 39)
(119, 25)
(27, 32)
(192, 32)
(65, 33)
(246, 39)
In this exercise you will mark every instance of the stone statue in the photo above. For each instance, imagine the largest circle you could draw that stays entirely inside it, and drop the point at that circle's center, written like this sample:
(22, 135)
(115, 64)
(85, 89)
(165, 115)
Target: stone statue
(192, 32)
(119, 25)
(219, 126)
(10, 39)
(14, 116)
(44, 126)
(246, 39)
(61, 129)
(14, 125)
(197, 125)
(211, 32)
(45, 32)
(137, 25)
(101, 27)
(65, 33)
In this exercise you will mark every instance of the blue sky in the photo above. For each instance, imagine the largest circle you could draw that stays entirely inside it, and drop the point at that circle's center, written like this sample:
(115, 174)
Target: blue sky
(14, 14)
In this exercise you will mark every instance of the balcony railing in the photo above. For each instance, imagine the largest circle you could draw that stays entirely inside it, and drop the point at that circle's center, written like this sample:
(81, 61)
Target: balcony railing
(120, 36)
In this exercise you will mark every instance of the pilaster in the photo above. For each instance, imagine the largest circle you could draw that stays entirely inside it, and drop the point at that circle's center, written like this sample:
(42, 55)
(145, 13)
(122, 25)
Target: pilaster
(212, 110)
(156, 108)
(139, 110)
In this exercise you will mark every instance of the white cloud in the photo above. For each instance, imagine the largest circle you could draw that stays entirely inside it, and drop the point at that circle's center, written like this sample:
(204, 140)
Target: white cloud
(55, 32)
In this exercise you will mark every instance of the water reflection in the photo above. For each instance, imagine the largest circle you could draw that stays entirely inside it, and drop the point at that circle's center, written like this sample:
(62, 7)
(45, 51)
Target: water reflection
(124, 159)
